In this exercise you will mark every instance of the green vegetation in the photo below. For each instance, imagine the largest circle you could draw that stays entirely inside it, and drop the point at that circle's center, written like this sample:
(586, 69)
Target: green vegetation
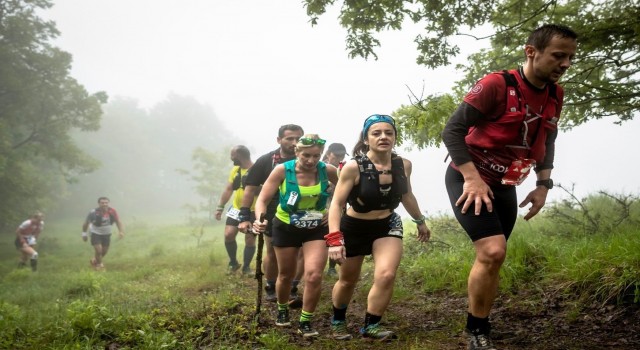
(166, 288)
(603, 82)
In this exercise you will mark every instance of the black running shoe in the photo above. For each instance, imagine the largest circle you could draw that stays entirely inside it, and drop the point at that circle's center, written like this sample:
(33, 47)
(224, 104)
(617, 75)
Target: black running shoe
(283, 318)
(374, 331)
(270, 293)
(480, 342)
(231, 269)
(339, 330)
(306, 330)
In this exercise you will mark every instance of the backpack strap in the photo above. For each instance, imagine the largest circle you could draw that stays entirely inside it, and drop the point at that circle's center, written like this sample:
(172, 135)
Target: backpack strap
(275, 159)
(553, 91)
(237, 180)
(513, 92)
(514, 100)
(291, 186)
(400, 184)
(321, 204)
(97, 216)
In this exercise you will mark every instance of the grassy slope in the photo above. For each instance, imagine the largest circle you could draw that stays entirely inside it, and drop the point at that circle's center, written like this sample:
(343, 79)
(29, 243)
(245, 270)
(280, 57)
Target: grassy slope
(162, 290)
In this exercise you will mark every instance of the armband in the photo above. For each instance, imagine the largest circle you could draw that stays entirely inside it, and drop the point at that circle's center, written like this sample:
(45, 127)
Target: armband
(244, 215)
(334, 239)
(419, 221)
(220, 207)
(84, 234)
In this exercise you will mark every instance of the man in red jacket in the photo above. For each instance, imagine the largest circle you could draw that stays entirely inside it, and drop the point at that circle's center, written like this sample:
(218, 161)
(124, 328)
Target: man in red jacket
(506, 125)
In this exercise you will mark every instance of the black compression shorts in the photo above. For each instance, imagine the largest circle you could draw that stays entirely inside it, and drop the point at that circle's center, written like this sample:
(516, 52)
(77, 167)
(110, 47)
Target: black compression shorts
(498, 222)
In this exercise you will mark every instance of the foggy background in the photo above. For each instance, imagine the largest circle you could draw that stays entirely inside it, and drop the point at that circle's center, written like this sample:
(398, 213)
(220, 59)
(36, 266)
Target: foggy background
(212, 74)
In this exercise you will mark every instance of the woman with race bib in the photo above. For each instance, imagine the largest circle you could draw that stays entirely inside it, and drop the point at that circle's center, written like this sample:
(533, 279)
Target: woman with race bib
(300, 222)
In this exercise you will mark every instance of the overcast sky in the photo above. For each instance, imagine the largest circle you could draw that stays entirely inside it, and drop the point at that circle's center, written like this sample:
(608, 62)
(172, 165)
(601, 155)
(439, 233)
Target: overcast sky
(259, 64)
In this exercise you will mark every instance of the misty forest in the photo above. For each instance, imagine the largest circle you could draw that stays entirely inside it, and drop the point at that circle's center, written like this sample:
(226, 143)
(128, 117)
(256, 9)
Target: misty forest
(571, 278)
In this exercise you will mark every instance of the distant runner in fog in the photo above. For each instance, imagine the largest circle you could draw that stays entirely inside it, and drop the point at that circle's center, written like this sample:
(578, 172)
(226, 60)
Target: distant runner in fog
(288, 136)
(99, 223)
(26, 239)
(300, 223)
(506, 125)
(241, 158)
(334, 155)
(373, 184)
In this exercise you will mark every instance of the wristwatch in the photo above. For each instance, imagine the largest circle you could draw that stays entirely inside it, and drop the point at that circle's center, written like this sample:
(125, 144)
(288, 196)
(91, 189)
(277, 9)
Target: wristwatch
(548, 183)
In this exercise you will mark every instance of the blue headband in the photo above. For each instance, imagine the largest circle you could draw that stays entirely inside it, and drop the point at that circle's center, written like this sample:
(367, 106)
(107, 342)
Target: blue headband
(377, 118)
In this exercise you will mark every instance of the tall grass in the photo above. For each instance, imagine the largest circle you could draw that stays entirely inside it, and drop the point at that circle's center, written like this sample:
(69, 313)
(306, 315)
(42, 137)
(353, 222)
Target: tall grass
(166, 288)
(601, 267)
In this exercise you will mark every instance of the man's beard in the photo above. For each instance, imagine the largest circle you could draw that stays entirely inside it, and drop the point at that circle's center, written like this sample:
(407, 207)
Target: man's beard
(288, 152)
(236, 162)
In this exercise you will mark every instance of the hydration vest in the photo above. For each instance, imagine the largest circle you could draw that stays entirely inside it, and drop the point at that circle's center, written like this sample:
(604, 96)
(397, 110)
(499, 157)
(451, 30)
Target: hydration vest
(276, 159)
(238, 180)
(368, 195)
(291, 187)
(512, 128)
(97, 217)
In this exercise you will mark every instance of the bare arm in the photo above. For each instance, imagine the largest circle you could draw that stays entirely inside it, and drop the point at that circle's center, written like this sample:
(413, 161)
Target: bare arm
(332, 174)
(348, 177)
(224, 198)
(19, 235)
(85, 227)
(267, 192)
(120, 228)
(410, 203)
(250, 192)
(538, 196)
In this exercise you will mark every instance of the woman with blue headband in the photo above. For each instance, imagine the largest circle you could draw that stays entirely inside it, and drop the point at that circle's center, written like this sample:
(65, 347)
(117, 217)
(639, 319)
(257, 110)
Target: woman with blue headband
(373, 184)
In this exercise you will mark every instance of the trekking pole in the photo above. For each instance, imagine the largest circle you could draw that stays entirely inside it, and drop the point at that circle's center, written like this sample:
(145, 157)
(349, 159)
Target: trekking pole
(259, 273)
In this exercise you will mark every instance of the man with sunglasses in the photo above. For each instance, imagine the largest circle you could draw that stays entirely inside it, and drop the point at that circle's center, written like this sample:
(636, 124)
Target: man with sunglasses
(288, 136)
(506, 125)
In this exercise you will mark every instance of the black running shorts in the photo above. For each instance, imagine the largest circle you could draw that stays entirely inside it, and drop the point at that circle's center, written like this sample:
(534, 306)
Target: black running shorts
(498, 222)
(359, 234)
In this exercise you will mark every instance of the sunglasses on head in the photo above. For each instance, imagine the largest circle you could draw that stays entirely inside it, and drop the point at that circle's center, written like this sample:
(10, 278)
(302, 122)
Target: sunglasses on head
(307, 141)
(380, 118)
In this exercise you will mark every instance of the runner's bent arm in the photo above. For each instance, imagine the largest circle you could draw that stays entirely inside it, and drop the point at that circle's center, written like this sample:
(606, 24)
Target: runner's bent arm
(249, 194)
(267, 192)
(332, 174)
(120, 227)
(348, 175)
(410, 203)
(85, 227)
(224, 198)
(538, 196)
(475, 190)
(19, 235)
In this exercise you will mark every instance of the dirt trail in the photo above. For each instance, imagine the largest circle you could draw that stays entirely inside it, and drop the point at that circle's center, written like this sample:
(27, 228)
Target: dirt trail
(534, 322)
